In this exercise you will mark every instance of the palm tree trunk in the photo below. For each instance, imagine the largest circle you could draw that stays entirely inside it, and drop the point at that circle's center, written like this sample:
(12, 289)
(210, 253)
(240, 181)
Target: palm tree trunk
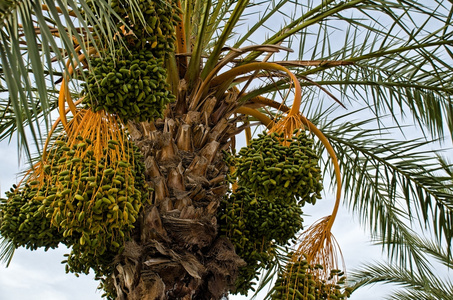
(177, 252)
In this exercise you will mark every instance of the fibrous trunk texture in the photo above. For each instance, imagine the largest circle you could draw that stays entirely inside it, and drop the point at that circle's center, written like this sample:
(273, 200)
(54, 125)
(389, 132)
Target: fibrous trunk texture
(177, 252)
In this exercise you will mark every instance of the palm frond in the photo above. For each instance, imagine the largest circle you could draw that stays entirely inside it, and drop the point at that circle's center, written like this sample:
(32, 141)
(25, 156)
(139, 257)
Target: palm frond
(8, 117)
(224, 36)
(399, 56)
(6, 250)
(194, 64)
(50, 31)
(393, 186)
(416, 285)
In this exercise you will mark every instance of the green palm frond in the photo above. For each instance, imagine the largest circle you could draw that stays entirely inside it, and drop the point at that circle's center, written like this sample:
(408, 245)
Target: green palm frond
(393, 186)
(194, 65)
(8, 117)
(417, 285)
(214, 56)
(6, 250)
(35, 40)
(398, 56)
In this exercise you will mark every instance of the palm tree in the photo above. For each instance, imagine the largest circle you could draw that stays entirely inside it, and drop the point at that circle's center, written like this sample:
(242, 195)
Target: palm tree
(199, 77)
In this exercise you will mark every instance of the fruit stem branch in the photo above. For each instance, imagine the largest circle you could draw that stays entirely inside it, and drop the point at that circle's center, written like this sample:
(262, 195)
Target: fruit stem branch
(54, 126)
(254, 113)
(64, 90)
(333, 156)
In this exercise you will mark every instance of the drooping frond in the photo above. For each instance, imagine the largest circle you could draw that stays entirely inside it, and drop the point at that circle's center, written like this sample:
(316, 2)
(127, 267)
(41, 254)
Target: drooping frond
(393, 186)
(410, 285)
(396, 58)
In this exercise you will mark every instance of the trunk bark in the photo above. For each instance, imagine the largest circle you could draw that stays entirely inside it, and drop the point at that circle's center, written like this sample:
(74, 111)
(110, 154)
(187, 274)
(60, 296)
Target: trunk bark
(177, 252)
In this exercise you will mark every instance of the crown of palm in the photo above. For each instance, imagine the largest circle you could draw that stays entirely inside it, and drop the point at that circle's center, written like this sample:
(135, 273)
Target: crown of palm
(393, 61)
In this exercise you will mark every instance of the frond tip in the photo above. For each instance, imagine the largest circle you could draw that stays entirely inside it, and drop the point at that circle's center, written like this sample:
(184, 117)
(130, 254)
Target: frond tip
(6, 249)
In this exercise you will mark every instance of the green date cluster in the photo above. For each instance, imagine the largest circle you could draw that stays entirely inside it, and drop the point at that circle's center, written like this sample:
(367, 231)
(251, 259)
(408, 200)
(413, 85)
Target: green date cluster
(23, 221)
(273, 170)
(84, 202)
(130, 79)
(131, 85)
(274, 182)
(145, 22)
(255, 225)
(298, 281)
